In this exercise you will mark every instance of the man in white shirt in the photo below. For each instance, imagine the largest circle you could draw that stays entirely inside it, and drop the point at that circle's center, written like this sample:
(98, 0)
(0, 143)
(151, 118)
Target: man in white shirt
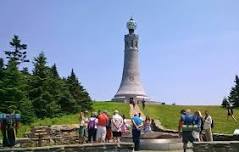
(116, 126)
(207, 126)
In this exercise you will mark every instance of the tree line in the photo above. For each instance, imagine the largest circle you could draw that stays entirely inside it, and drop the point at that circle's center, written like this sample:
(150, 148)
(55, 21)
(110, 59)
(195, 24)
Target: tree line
(40, 93)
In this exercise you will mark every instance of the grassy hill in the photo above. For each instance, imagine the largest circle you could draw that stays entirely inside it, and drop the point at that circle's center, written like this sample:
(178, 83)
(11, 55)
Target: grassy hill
(74, 118)
(169, 116)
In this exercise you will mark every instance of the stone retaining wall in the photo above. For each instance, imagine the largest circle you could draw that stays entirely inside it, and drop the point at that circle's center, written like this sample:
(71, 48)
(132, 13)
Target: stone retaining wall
(107, 147)
(216, 146)
(225, 137)
(216, 136)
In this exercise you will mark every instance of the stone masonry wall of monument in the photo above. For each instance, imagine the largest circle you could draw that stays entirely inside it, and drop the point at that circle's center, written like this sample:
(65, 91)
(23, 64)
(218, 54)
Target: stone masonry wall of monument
(130, 86)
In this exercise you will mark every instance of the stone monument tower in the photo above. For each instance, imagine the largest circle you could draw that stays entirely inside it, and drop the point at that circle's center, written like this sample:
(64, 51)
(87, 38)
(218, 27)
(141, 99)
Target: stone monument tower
(130, 86)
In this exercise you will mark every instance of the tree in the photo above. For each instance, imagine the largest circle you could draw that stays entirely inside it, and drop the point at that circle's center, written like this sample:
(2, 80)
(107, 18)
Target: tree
(1, 63)
(40, 68)
(25, 71)
(81, 96)
(18, 54)
(9, 90)
(66, 100)
(234, 93)
(1, 68)
(224, 102)
(13, 93)
(41, 91)
(54, 72)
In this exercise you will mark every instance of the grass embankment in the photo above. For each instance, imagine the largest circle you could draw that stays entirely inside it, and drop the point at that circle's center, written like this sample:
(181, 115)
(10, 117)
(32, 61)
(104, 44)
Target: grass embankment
(169, 116)
(74, 118)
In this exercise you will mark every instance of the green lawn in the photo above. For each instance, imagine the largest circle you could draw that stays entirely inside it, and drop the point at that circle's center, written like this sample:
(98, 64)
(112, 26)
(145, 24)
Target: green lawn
(110, 107)
(74, 118)
(169, 116)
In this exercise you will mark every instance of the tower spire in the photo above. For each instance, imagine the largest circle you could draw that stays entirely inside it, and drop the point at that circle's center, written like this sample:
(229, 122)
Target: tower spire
(130, 86)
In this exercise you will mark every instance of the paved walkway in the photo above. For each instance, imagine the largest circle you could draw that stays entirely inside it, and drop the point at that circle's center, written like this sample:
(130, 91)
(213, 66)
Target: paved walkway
(135, 109)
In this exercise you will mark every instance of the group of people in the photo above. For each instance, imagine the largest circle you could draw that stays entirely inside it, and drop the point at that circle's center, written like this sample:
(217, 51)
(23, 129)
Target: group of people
(195, 127)
(102, 127)
(133, 102)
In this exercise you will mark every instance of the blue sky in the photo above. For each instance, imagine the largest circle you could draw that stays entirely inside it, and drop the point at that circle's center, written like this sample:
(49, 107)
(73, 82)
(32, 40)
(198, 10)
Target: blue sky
(188, 49)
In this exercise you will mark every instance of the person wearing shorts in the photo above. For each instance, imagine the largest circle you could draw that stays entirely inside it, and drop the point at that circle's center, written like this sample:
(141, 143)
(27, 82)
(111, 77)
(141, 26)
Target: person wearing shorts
(116, 125)
(101, 127)
(186, 125)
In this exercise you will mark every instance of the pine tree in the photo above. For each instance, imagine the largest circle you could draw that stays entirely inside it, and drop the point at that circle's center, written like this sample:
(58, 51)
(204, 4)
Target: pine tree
(13, 93)
(26, 110)
(54, 72)
(224, 102)
(18, 54)
(41, 91)
(40, 68)
(1, 63)
(1, 69)
(81, 96)
(25, 71)
(9, 93)
(234, 94)
(66, 100)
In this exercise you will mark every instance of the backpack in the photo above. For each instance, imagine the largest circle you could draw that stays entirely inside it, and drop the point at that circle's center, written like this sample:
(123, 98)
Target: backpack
(102, 120)
(91, 124)
(187, 119)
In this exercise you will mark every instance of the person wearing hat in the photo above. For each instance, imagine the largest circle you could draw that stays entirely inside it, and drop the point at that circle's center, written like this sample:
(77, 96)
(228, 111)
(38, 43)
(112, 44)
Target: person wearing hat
(116, 125)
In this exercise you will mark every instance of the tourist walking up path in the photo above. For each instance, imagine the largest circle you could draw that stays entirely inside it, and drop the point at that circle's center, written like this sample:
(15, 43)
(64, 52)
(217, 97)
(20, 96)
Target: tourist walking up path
(136, 109)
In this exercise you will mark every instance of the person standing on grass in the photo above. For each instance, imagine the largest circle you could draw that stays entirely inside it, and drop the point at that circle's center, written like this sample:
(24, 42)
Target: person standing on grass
(131, 100)
(136, 131)
(143, 104)
(92, 128)
(117, 123)
(207, 126)
(134, 104)
(186, 126)
(101, 126)
(230, 111)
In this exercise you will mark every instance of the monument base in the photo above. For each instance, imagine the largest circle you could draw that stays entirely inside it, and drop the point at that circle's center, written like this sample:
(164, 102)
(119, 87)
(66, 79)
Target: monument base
(126, 98)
